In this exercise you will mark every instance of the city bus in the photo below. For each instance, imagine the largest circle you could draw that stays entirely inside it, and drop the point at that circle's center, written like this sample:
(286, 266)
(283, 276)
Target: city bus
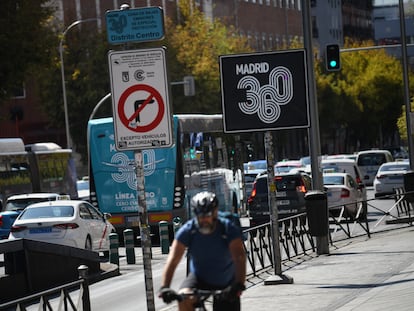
(198, 160)
(39, 167)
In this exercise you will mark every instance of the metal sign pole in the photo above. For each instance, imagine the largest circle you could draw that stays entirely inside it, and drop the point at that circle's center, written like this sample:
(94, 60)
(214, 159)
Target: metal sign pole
(278, 278)
(145, 230)
(322, 242)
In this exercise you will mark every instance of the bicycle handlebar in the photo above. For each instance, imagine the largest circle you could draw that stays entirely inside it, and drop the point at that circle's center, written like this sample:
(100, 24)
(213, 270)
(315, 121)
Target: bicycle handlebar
(201, 294)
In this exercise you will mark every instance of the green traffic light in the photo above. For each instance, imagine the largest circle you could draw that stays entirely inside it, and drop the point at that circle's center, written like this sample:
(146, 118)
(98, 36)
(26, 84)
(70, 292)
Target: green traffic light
(332, 63)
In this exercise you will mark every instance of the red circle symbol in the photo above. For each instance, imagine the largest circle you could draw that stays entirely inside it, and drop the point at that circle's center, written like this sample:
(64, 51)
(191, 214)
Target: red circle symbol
(153, 94)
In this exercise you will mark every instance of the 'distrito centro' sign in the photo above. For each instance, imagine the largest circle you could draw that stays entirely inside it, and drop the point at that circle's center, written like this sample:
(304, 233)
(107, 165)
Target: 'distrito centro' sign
(135, 25)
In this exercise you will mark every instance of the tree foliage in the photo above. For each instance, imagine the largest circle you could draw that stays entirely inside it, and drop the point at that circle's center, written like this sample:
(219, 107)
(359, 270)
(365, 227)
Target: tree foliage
(26, 39)
(193, 47)
(364, 97)
(87, 82)
(195, 44)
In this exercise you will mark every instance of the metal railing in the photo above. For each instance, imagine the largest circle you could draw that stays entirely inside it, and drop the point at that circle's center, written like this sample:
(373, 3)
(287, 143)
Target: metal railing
(66, 302)
(295, 238)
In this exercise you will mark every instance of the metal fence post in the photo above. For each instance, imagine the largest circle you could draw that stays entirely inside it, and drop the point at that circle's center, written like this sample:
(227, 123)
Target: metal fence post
(129, 245)
(83, 274)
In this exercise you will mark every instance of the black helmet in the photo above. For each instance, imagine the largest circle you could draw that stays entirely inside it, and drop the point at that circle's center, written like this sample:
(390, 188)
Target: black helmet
(204, 203)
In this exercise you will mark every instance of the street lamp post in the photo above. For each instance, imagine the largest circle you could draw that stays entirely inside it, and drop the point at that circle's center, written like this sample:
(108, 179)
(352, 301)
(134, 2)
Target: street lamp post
(62, 70)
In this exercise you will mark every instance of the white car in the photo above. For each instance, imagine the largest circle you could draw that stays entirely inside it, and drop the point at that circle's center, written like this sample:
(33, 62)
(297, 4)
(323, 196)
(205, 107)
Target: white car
(342, 191)
(67, 222)
(390, 176)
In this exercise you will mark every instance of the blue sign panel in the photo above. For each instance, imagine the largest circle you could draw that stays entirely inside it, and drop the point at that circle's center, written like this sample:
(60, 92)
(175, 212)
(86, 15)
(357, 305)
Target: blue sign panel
(135, 25)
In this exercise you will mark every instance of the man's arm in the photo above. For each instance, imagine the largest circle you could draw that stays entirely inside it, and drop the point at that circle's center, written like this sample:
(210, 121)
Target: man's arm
(174, 257)
(239, 258)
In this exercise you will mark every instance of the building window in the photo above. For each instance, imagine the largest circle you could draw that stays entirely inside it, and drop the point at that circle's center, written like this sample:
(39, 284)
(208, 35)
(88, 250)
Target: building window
(19, 92)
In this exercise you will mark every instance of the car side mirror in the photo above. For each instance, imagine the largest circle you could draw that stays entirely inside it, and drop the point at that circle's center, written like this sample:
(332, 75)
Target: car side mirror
(107, 216)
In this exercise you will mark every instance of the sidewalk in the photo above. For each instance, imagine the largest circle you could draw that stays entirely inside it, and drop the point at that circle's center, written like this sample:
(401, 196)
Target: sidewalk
(361, 274)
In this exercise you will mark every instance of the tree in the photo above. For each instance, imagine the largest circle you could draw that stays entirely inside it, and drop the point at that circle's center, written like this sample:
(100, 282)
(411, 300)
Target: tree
(194, 45)
(87, 82)
(27, 41)
(364, 97)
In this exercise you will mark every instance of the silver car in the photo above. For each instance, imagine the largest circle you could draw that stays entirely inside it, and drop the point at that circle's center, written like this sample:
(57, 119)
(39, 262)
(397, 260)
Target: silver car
(390, 176)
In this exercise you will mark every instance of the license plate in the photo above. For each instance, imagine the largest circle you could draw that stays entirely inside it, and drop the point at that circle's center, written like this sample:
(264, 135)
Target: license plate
(40, 230)
(282, 202)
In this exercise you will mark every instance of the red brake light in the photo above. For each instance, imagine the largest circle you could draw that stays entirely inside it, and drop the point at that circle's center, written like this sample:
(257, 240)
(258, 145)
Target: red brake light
(1, 221)
(17, 228)
(301, 188)
(252, 195)
(67, 226)
(344, 193)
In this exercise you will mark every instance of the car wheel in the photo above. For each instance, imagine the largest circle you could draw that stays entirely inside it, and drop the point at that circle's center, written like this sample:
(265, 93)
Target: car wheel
(88, 243)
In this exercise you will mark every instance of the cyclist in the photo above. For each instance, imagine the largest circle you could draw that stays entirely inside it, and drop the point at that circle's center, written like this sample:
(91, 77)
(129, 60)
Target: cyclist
(217, 257)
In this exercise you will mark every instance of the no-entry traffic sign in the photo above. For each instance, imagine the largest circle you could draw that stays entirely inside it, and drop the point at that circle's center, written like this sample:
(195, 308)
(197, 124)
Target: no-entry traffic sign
(140, 99)
(264, 91)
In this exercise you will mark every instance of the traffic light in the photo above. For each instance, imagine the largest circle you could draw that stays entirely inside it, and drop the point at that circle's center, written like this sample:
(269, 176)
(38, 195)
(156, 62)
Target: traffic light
(332, 57)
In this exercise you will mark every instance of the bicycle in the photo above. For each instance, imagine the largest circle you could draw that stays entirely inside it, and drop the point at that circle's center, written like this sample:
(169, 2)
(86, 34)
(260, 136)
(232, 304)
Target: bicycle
(202, 295)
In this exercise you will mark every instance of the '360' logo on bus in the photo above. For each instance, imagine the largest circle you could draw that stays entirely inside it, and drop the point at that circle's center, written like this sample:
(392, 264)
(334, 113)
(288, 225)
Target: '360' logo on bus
(125, 172)
(266, 100)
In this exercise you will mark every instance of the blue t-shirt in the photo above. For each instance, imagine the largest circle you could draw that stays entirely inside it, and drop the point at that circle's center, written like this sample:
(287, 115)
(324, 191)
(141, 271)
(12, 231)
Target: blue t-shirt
(210, 257)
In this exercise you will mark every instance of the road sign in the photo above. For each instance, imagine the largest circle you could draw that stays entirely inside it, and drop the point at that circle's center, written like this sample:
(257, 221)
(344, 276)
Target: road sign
(140, 99)
(135, 25)
(264, 91)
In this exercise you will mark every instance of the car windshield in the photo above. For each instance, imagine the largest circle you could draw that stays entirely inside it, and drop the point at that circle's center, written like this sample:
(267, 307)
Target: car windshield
(389, 168)
(249, 178)
(333, 180)
(47, 212)
(371, 159)
(287, 183)
(20, 204)
(284, 169)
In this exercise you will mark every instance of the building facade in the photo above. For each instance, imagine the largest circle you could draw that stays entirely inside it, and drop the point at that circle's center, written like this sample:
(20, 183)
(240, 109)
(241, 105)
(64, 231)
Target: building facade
(268, 25)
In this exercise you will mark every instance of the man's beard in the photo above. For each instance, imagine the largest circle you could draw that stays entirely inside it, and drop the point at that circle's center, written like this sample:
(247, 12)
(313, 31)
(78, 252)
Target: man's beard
(207, 228)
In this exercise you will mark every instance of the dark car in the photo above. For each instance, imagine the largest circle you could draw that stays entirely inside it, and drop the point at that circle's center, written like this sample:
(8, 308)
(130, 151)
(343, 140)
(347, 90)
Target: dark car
(290, 197)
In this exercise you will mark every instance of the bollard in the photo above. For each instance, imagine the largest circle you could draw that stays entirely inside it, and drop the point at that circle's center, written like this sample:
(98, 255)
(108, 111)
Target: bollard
(113, 248)
(176, 224)
(129, 245)
(164, 237)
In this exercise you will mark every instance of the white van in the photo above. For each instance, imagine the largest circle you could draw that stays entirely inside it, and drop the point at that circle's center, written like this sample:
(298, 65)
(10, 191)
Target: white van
(369, 162)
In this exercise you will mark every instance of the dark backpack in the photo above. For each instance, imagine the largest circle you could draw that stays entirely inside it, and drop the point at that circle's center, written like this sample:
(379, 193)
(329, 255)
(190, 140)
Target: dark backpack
(232, 217)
